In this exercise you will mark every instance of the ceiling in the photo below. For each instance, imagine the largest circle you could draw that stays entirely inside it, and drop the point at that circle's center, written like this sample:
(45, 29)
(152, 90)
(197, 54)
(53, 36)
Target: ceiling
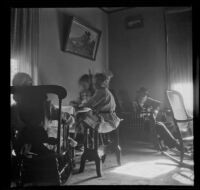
(113, 9)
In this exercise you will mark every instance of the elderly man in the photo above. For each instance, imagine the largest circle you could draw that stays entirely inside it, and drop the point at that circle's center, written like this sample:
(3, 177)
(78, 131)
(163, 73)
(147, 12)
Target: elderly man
(144, 103)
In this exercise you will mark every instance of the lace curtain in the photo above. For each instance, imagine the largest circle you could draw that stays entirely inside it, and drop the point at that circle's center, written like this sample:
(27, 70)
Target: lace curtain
(24, 41)
(179, 54)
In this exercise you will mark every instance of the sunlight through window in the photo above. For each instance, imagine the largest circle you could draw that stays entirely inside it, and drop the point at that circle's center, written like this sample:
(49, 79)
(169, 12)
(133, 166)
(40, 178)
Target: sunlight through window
(14, 68)
(186, 90)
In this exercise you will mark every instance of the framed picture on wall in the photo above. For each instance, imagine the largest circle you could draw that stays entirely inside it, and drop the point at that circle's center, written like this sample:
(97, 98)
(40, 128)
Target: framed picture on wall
(82, 40)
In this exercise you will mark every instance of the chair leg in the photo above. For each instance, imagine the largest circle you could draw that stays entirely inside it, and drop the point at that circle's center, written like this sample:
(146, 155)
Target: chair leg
(154, 138)
(181, 152)
(181, 146)
(85, 153)
(103, 158)
(82, 165)
(98, 166)
(20, 181)
(117, 147)
(118, 155)
(97, 158)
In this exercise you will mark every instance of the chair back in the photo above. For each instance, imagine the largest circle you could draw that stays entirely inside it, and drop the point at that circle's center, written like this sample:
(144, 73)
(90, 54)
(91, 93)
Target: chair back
(177, 105)
(179, 112)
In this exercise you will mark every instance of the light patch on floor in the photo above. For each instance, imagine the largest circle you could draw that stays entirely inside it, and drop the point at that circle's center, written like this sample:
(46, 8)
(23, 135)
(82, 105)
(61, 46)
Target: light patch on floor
(147, 169)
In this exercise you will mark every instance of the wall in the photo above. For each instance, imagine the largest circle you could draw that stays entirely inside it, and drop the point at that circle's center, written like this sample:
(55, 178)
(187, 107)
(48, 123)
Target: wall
(62, 68)
(137, 56)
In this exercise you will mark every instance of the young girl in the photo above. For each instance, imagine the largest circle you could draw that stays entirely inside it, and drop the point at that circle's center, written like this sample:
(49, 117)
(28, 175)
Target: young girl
(103, 104)
(86, 92)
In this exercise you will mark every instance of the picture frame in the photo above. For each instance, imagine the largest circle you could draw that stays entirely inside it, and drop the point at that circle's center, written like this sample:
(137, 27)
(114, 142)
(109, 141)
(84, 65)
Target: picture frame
(82, 40)
(133, 22)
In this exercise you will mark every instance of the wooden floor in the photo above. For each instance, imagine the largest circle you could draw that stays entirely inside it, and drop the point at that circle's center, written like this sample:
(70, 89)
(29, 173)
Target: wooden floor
(141, 165)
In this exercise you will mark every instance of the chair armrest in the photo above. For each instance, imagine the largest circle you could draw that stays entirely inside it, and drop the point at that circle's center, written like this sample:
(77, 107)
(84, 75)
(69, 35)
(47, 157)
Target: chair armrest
(190, 138)
(182, 121)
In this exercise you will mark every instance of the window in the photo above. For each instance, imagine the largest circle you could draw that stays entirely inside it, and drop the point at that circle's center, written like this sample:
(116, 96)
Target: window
(14, 68)
(179, 54)
(186, 90)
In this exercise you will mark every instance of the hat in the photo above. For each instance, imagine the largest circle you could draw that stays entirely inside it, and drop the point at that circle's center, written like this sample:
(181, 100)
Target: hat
(143, 91)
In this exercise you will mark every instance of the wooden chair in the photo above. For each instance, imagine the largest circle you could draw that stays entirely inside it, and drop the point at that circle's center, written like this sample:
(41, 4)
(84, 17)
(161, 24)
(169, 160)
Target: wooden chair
(184, 124)
(93, 153)
(32, 108)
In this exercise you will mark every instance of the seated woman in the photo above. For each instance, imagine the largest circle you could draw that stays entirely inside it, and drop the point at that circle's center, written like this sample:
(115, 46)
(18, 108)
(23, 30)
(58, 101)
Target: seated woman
(103, 104)
(144, 103)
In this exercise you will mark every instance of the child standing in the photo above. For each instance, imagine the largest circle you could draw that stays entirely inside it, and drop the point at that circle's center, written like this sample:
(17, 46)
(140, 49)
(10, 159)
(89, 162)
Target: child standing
(85, 94)
(85, 83)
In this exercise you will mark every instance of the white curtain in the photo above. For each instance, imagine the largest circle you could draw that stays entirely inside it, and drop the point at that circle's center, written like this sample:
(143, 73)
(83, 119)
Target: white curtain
(179, 54)
(24, 41)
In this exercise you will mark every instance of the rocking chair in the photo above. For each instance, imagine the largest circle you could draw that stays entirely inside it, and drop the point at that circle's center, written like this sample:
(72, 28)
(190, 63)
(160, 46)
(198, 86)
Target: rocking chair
(29, 167)
(184, 126)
